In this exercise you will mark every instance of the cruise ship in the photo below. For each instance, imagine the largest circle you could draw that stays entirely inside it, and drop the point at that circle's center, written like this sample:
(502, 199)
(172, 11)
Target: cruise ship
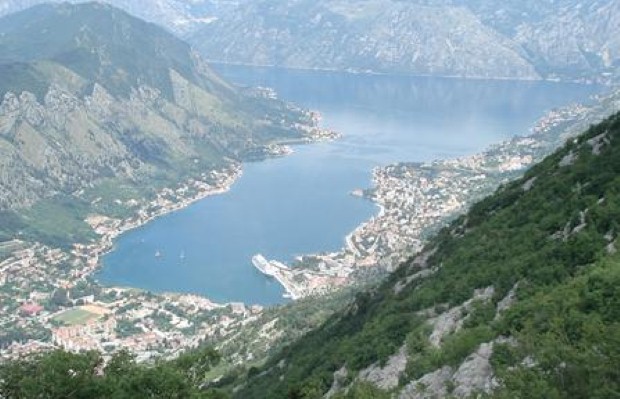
(261, 264)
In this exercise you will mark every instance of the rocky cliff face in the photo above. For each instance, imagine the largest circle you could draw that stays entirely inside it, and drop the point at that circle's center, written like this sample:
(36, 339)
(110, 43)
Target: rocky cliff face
(58, 144)
(566, 39)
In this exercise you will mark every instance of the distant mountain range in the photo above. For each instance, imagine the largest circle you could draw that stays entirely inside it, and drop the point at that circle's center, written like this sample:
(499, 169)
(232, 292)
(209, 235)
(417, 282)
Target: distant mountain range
(89, 92)
(577, 40)
(562, 39)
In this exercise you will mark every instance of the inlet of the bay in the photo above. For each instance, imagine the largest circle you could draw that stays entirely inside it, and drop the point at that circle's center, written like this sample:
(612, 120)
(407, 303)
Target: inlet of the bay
(301, 204)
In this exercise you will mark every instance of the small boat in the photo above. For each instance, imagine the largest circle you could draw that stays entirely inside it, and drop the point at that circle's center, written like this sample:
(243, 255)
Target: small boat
(182, 256)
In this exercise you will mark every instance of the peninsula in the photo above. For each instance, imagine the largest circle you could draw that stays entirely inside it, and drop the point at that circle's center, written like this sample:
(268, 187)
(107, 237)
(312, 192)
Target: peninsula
(418, 199)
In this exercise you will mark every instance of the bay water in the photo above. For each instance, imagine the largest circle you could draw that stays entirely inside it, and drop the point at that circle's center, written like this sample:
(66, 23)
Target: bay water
(301, 204)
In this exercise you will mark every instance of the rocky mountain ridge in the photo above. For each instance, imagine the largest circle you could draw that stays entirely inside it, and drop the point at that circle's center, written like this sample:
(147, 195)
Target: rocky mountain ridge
(569, 39)
(179, 16)
(573, 40)
(79, 106)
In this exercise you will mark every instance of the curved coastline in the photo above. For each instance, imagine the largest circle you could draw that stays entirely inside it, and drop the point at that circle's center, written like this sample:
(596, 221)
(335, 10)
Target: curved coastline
(352, 241)
(111, 229)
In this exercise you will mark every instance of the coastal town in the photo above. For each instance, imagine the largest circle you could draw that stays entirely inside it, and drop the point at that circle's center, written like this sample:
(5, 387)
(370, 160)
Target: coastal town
(418, 199)
(49, 297)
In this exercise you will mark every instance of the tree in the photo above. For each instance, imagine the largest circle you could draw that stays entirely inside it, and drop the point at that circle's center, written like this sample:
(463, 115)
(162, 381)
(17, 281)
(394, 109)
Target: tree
(61, 374)
(60, 297)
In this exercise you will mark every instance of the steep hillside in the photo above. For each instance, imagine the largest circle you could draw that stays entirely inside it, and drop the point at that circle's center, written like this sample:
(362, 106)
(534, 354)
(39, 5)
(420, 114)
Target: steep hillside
(567, 39)
(66, 375)
(518, 298)
(90, 93)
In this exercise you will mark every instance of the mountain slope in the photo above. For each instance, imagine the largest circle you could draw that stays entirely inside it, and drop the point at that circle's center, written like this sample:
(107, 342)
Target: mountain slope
(394, 37)
(99, 43)
(567, 39)
(91, 93)
(518, 298)
(178, 16)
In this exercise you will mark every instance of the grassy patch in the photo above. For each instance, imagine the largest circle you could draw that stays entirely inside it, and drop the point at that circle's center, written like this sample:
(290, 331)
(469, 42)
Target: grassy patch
(58, 221)
(74, 317)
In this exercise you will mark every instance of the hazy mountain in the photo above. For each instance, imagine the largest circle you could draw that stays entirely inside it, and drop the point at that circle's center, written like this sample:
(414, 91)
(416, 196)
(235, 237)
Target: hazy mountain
(572, 39)
(89, 91)
(180, 16)
(566, 39)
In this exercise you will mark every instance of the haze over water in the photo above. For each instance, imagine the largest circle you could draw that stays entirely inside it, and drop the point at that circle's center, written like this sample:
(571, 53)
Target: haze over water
(301, 204)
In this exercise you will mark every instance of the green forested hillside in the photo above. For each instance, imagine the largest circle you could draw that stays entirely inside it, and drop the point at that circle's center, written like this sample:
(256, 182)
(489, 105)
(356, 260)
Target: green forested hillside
(66, 375)
(547, 240)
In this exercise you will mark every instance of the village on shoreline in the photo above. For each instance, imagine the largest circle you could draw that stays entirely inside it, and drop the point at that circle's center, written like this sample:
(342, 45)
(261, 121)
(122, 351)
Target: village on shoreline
(417, 199)
(48, 297)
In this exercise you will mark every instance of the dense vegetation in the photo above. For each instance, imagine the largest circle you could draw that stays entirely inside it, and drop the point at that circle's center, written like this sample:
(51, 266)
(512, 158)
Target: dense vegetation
(65, 375)
(553, 239)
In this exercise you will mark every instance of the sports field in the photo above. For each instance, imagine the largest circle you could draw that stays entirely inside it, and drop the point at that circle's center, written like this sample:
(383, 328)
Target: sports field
(73, 317)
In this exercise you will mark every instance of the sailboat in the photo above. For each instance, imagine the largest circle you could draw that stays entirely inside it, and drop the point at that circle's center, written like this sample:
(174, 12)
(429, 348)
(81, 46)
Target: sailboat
(157, 254)
(182, 256)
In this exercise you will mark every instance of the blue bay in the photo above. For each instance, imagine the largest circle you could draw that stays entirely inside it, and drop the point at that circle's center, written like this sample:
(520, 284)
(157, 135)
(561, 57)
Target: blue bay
(301, 204)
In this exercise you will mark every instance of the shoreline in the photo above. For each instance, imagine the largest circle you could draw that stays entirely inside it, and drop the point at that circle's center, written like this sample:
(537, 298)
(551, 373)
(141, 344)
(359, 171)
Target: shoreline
(111, 229)
(406, 74)
(272, 269)
(297, 279)
(398, 230)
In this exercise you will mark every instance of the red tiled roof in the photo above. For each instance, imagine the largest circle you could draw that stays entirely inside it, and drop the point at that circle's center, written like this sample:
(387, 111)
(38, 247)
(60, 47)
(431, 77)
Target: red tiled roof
(31, 308)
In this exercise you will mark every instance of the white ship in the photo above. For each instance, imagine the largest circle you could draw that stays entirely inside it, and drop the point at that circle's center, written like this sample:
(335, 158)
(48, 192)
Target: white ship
(261, 264)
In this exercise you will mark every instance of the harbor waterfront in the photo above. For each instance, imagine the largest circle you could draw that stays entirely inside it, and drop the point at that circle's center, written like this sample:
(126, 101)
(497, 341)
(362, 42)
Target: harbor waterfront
(280, 208)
